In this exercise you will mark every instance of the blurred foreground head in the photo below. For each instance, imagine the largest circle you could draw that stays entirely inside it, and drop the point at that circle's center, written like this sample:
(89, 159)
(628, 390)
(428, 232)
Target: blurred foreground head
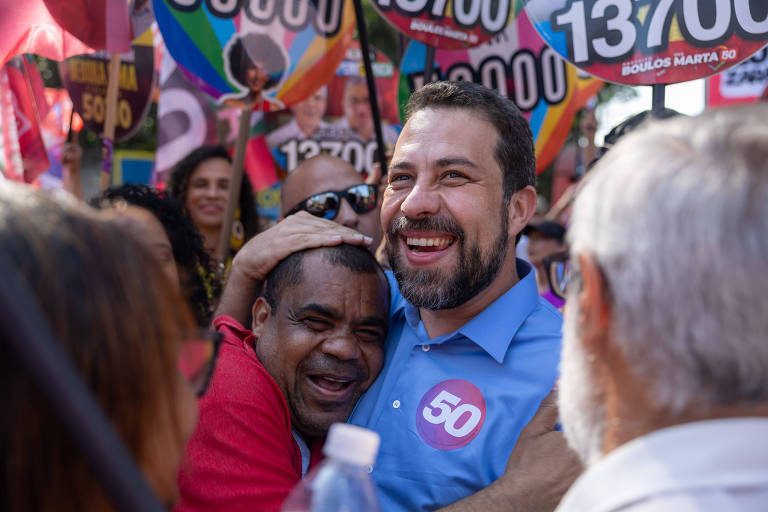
(121, 325)
(667, 323)
(181, 254)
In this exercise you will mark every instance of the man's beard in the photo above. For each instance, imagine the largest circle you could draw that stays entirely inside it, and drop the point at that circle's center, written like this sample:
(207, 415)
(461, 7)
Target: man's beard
(581, 411)
(446, 288)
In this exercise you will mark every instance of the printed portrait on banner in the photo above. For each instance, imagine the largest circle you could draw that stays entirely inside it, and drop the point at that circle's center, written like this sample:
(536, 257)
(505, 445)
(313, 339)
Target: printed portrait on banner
(337, 119)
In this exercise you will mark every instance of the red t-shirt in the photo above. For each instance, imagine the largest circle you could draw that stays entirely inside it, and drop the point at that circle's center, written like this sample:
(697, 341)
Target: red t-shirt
(242, 455)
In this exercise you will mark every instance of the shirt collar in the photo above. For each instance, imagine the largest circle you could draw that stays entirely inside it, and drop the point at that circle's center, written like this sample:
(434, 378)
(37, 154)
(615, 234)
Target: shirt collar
(494, 328)
(682, 458)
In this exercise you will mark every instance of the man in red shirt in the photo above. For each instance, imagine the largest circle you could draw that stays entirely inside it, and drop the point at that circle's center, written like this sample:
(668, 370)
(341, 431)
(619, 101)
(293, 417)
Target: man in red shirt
(315, 346)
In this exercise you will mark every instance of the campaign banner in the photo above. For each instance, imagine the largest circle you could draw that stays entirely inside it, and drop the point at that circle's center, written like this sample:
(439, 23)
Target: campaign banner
(518, 65)
(744, 83)
(86, 76)
(282, 51)
(652, 41)
(449, 24)
(132, 167)
(337, 118)
(186, 119)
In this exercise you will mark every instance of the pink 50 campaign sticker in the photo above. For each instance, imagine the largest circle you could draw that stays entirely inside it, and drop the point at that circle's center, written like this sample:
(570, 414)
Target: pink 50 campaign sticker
(451, 414)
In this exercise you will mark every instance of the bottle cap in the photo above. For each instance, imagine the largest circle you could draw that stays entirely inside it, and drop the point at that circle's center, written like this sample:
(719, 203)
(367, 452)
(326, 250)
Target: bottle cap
(352, 444)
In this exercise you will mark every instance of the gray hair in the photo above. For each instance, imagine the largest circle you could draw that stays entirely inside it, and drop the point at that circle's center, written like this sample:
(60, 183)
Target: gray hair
(676, 217)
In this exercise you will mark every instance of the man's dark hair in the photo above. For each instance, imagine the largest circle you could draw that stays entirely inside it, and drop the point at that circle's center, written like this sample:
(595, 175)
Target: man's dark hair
(514, 151)
(290, 272)
(186, 241)
(178, 184)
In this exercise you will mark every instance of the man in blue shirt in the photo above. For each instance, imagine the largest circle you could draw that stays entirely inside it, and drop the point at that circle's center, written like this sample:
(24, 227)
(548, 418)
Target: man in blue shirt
(472, 350)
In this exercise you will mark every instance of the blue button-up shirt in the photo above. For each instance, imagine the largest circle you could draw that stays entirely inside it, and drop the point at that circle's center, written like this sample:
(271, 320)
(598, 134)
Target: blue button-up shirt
(450, 409)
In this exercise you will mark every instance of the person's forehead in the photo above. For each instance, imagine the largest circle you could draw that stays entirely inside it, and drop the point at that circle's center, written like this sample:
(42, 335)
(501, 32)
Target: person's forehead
(334, 285)
(357, 91)
(215, 168)
(319, 95)
(437, 133)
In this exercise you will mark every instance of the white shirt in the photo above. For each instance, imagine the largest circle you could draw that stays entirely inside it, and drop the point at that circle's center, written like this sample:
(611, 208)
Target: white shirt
(705, 466)
(289, 131)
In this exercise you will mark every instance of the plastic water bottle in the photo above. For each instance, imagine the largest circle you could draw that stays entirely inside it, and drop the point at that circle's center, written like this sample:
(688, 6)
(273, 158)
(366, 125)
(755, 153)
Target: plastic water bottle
(340, 483)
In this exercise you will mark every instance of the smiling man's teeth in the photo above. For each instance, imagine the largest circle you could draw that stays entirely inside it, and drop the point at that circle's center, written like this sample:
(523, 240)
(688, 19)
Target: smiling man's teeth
(332, 383)
(428, 242)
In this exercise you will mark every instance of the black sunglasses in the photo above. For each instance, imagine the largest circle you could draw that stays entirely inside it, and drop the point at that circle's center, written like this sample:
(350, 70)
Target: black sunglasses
(362, 198)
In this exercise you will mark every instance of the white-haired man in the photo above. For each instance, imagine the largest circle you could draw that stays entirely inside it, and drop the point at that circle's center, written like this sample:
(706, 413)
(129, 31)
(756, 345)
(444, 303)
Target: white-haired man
(664, 386)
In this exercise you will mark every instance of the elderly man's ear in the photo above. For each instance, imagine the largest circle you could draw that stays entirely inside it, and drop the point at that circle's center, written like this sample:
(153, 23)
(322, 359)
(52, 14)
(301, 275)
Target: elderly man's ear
(594, 305)
(260, 313)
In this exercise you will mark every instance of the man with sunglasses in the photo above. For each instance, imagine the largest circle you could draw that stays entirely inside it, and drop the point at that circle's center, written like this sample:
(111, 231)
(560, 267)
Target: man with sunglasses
(330, 188)
(472, 349)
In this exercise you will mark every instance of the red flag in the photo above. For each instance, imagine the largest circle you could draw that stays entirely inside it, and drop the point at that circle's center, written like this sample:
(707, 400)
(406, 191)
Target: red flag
(28, 27)
(101, 24)
(259, 164)
(12, 168)
(33, 153)
(37, 87)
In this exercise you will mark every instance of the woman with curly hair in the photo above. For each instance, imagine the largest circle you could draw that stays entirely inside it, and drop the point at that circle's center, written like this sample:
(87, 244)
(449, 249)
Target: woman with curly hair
(184, 249)
(200, 182)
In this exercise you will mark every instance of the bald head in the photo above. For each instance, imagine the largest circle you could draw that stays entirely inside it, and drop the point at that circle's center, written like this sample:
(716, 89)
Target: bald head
(323, 173)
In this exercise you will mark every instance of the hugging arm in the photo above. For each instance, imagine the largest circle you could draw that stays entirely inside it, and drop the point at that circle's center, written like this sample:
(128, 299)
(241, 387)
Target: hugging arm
(539, 471)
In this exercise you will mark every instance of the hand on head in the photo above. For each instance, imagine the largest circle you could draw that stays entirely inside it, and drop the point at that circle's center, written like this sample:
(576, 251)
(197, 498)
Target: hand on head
(297, 232)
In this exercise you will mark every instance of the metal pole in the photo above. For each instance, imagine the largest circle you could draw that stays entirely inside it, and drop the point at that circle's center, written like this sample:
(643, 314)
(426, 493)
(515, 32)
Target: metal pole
(108, 137)
(658, 93)
(362, 34)
(233, 200)
(401, 42)
(26, 332)
(429, 64)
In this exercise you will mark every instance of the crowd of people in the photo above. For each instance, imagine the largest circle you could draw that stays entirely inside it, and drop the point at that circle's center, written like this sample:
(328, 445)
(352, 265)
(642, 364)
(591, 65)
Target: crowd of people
(406, 308)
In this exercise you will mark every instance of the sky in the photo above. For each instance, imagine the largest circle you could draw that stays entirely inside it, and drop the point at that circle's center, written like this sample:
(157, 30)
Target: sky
(686, 98)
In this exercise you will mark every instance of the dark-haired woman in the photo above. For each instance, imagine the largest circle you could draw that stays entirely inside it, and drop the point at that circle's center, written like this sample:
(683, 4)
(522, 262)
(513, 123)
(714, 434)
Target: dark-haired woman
(200, 182)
